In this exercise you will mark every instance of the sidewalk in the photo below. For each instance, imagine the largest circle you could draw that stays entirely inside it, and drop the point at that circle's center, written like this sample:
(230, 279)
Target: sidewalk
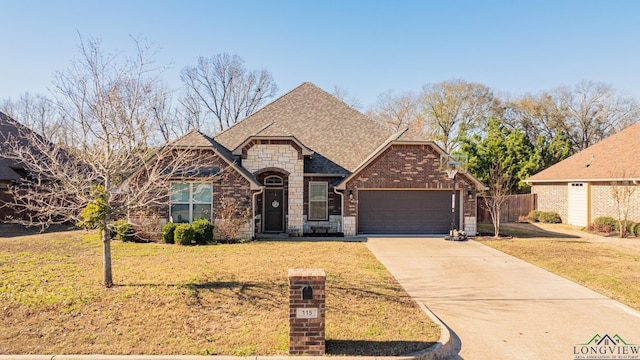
(500, 307)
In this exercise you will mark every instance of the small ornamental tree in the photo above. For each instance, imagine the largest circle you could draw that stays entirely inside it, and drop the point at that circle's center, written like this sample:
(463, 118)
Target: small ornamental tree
(622, 192)
(114, 165)
(499, 190)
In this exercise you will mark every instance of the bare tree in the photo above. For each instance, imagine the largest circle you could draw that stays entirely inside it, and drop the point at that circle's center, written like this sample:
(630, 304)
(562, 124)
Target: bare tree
(452, 109)
(37, 112)
(343, 95)
(535, 115)
(622, 192)
(395, 112)
(108, 104)
(499, 189)
(225, 89)
(592, 111)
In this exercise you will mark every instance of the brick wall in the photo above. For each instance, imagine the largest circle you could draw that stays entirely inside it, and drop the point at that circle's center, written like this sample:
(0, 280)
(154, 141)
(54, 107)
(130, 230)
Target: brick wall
(552, 197)
(230, 184)
(603, 203)
(406, 167)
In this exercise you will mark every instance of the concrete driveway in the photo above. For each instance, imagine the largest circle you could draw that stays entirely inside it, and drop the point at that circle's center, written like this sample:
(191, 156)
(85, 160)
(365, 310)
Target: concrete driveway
(500, 307)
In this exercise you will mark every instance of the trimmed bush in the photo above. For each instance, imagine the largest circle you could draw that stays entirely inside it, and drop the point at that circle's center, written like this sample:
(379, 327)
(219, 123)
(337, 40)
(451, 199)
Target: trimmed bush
(635, 230)
(184, 234)
(606, 220)
(125, 231)
(168, 231)
(203, 230)
(534, 215)
(550, 217)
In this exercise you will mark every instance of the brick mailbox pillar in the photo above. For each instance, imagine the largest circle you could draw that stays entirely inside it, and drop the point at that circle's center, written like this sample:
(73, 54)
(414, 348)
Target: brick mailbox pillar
(306, 311)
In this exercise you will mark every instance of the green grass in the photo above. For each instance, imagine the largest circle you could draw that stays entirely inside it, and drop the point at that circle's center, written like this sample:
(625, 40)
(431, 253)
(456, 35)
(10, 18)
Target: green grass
(203, 300)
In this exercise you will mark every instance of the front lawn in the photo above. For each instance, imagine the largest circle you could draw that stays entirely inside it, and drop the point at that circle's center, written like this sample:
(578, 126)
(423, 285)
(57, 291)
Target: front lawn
(217, 299)
(602, 266)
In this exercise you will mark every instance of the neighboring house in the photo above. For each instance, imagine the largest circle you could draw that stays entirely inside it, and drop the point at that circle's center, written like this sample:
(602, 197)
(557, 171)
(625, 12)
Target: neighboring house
(307, 162)
(580, 188)
(10, 171)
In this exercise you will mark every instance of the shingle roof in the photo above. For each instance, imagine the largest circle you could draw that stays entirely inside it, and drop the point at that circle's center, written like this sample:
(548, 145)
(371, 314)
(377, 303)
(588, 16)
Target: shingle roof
(319, 120)
(614, 158)
(9, 127)
(196, 139)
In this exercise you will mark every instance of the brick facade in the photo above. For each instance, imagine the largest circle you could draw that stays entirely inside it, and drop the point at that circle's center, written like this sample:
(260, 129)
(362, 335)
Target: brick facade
(552, 197)
(603, 203)
(334, 203)
(407, 167)
(230, 185)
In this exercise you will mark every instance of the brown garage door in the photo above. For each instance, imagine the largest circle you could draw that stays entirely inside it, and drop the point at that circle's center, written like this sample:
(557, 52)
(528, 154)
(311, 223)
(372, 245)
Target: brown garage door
(405, 211)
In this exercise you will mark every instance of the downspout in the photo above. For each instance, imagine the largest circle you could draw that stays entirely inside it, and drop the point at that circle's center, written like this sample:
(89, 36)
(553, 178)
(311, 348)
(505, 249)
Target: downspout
(341, 209)
(253, 212)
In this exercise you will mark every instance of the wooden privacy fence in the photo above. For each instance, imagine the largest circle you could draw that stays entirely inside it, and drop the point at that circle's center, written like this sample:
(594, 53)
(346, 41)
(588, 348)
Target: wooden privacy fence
(514, 207)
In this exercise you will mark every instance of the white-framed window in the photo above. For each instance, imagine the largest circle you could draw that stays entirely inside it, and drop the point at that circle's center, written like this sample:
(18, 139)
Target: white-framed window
(190, 201)
(273, 180)
(318, 200)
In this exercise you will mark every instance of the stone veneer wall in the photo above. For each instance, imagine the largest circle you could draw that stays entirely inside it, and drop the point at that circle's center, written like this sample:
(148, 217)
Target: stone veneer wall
(552, 197)
(407, 167)
(283, 156)
(603, 204)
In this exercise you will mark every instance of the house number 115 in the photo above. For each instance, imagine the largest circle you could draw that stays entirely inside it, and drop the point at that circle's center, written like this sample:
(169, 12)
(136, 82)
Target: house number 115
(307, 313)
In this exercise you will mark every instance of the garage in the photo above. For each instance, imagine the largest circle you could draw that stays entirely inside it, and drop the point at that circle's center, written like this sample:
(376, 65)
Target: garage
(405, 211)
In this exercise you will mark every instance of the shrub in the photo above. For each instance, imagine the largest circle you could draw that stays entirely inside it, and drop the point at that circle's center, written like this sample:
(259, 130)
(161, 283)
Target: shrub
(600, 228)
(232, 217)
(628, 225)
(534, 215)
(168, 231)
(124, 231)
(203, 230)
(635, 230)
(184, 234)
(550, 217)
(606, 220)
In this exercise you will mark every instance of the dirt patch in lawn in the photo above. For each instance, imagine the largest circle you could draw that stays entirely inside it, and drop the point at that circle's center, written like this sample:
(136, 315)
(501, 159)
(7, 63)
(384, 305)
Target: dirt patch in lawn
(217, 299)
(607, 265)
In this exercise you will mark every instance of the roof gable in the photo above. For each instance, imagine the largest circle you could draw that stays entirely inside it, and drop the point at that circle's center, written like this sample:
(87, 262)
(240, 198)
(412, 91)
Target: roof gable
(613, 158)
(197, 140)
(317, 119)
(402, 137)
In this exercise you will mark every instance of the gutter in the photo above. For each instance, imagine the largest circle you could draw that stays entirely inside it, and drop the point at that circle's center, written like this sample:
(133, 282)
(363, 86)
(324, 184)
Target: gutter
(253, 212)
(341, 208)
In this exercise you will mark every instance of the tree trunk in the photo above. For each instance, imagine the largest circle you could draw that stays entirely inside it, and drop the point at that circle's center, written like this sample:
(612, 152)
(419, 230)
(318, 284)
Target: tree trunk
(106, 252)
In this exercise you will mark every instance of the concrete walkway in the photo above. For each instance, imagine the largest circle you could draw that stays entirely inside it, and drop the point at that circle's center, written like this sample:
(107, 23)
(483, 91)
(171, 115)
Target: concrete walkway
(500, 307)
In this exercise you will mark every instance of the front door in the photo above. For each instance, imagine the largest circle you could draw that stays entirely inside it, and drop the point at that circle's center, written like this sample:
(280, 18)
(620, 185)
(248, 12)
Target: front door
(273, 210)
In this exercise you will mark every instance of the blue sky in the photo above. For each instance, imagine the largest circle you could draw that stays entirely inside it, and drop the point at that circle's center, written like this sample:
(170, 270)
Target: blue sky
(365, 47)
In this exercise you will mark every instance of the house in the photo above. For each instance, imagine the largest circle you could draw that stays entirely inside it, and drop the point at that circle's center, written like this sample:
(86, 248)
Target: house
(307, 162)
(10, 170)
(580, 188)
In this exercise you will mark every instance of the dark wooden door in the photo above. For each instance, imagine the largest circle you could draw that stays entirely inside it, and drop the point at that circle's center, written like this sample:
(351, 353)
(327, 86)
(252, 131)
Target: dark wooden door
(273, 210)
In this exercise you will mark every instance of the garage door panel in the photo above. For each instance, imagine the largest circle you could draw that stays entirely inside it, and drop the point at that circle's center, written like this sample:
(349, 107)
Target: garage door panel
(404, 211)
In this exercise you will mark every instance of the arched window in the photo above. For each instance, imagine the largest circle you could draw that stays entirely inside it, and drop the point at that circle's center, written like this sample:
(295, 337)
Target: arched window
(273, 180)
